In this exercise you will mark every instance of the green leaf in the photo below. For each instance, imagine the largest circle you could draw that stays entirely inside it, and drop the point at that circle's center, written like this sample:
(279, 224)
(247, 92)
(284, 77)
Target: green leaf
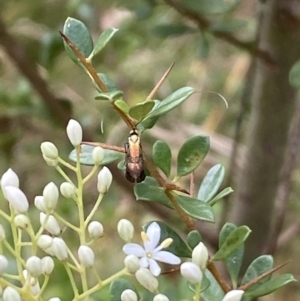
(195, 208)
(234, 261)
(171, 102)
(270, 286)
(109, 83)
(110, 95)
(79, 35)
(87, 159)
(149, 122)
(233, 241)
(150, 191)
(104, 39)
(140, 110)
(122, 165)
(118, 286)
(213, 292)
(122, 105)
(294, 75)
(191, 154)
(259, 266)
(220, 195)
(162, 156)
(194, 238)
(211, 183)
(178, 247)
(169, 30)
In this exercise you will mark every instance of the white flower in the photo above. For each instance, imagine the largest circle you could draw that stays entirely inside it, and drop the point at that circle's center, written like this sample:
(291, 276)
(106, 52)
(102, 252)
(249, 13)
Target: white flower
(191, 272)
(11, 294)
(86, 256)
(16, 198)
(234, 295)
(74, 132)
(152, 251)
(200, 256)
(125, 229)
(9, 178)
(104, 180)
(129, 295)
(49, 150)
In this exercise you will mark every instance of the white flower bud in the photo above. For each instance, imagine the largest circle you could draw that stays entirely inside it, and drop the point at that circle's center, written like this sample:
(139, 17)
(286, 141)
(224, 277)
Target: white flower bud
(129, 295)
(50, 194)
(21, 221)
(68, 190)
(160, 297)
(95, 230)
(16, 198)
(11, 294)
(98, 155)
(3, 264)
(125, 229)
(49, 150)
(54, 299)
(39, 203)
(200, 256)
(50, 162)
(50, 224)
(34, 266)
(86, 256)
(191, 272)
(33, 282)
(47, 265)
(146, 279)
(45, 241)
(104, 180)
(234, 295)
(59, 249)
(9, 178)
(132, 263)
(2, 233)
(74, 132)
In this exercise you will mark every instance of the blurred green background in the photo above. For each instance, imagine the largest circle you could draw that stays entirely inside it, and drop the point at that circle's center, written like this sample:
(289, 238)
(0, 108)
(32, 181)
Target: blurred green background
(214, 46)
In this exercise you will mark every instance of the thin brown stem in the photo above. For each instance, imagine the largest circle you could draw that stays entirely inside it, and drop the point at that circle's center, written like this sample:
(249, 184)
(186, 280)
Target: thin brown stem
(262, 276)
(158, 85)
(212, 268)
(206, 25)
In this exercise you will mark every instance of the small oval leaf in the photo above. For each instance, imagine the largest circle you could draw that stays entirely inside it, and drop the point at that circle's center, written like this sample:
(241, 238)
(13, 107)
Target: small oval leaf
(122, 105)
(79, 35)
(150, 191)
(234, 261)
(109, 83)
(162, 156)
(232, 242)
(110, 95)
(270, 286)
(220, 195)
(104, 39)
(118, 286)
(171, 102)
(259, 266)
(195, 208)
(194, 238)
(140, 110)
(191, 154)
(211, 183)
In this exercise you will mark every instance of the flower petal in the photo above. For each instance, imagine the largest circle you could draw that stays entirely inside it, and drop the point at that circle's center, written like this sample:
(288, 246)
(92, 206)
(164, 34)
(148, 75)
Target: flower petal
(134, 249)
(154, 267)
(153, 232)
(167, 257)
(144, 262)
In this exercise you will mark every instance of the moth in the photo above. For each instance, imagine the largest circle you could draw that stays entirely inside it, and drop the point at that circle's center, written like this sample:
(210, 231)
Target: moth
(134, 159)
